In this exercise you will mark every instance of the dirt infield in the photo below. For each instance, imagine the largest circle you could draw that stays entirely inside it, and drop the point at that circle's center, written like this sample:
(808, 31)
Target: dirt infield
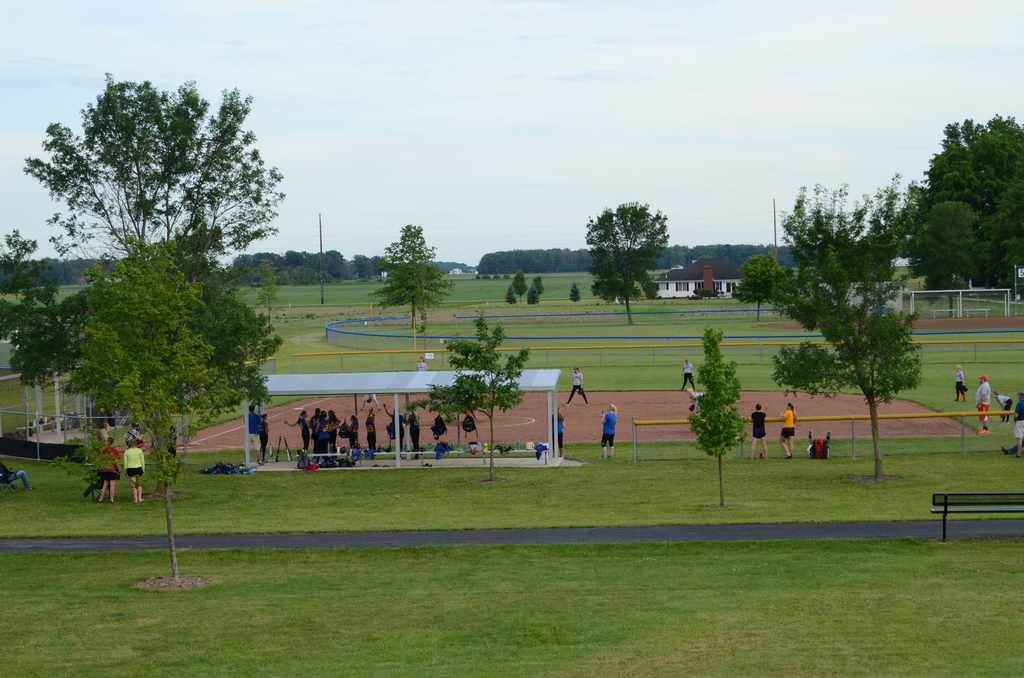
(937, 324)
(583, 423)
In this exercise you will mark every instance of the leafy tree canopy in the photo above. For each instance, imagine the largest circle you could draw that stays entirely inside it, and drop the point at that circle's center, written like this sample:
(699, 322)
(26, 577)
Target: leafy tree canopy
(943, 249)
(625, 245)
(412, 280)
(762, 277)
(845, 289)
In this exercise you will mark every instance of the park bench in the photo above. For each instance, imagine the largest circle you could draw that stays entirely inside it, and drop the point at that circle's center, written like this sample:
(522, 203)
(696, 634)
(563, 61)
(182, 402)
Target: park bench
(976, 502)
(943, 312)
(976, 311)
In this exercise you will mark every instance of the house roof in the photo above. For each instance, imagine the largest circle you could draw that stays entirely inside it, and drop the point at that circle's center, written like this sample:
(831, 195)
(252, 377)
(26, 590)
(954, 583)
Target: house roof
(387, 382)
(721, 269)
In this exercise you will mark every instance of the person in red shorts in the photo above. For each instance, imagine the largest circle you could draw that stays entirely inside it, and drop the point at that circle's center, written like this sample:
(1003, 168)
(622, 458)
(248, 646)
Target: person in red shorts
(983, 398)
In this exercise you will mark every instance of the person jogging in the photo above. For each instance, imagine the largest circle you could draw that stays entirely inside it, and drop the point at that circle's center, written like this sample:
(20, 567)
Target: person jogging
(983, 398)
(688, 375)
(788, 430)
(577, 385)
(608, 433)
(303, 423)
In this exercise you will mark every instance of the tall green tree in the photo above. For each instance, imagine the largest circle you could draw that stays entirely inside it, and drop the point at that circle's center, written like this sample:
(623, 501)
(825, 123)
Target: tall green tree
(574, 292)
(761, 278)
(532, 295)
(412, 279)
(943, 248)
(718, 422)
(139, 354)
(510, 295)
(156, 166)
(846, 288)
(266, 285)
(519, 284)
(625, 245)
(153, 166)
(538, 282)
(977, 166)
(482, 382)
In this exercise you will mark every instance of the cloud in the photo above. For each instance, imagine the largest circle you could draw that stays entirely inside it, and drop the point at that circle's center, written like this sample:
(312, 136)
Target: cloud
(617, 38)
(604, 76)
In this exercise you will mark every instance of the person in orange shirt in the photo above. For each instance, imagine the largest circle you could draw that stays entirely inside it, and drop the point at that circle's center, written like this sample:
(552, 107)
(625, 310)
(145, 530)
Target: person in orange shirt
(788, 430)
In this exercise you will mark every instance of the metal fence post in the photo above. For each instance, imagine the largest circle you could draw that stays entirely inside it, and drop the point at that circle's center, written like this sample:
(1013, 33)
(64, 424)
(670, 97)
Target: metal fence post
(853, 436)
(293, 363)
(634, 438)
(963, 436)
(600, 355)
(975, 351)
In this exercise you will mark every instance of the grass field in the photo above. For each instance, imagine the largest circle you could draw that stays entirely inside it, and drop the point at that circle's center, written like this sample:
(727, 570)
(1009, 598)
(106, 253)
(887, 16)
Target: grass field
(604, 493)
(847, 608)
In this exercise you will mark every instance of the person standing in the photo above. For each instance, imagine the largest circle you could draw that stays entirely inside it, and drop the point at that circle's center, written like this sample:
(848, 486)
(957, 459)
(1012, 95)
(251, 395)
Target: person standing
(788, 430)
(759, 432)
(414, 429)
(688, 375)
(303, 425)
(353, 432)
(421, 366)
(253, 428)
(332, 428)
(321, 436)
(577, 385)
(608, 433)
(561, 423)
(264, 429)
(135, 467)
(110, 471)
(368, 398)
(961, 388)
(371, 432)
(983, 398)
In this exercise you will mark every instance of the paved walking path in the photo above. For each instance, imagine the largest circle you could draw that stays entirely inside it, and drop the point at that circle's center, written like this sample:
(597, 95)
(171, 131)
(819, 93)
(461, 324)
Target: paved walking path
(576, 535)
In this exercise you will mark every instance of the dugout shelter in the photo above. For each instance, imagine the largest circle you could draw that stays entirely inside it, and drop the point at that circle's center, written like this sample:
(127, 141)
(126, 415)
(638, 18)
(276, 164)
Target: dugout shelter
(385, 384)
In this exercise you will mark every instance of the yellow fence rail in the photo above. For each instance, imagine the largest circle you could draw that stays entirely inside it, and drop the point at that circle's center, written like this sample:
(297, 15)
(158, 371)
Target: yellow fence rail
(852, 418)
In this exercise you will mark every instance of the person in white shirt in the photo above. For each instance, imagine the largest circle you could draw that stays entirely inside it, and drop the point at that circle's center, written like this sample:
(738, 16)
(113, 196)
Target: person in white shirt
(577, 385)
(983, 399)
(688, 375)
(421, 366)
(1004, 402)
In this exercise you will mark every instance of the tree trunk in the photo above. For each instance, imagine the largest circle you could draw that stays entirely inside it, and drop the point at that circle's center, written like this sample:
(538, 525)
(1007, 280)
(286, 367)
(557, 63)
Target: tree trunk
(491, 418)
(170, 531)
(758, 310)
(721, 483)
(873, 409)
(629, 313)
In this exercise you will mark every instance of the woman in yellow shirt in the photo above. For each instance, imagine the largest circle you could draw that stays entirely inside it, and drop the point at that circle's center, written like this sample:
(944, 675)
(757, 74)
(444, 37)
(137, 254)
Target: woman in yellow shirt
(788, 430)
(135, 466)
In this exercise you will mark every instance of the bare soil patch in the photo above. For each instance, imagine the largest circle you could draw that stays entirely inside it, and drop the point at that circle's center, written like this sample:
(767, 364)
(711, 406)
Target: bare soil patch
(526, 423)
(941, 324)
(179, 584)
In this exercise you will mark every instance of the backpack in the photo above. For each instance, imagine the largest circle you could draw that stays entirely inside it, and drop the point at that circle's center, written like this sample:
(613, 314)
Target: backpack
(303, 461)
(469, 424)
(818, 449)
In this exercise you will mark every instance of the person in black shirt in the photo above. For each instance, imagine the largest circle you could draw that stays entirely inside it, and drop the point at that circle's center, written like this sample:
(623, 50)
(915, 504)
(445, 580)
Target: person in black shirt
(759, 433)
(371, 432)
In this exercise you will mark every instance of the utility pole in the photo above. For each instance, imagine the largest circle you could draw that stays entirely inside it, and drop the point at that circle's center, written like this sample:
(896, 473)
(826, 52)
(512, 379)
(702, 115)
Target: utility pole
(321, 217)
(774, 227)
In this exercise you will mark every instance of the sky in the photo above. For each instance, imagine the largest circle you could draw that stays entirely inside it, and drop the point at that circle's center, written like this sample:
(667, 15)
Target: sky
(504, 125)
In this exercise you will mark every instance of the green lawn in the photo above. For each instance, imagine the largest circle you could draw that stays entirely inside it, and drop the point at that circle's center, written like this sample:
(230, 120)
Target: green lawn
(600, 493)
(843, 608)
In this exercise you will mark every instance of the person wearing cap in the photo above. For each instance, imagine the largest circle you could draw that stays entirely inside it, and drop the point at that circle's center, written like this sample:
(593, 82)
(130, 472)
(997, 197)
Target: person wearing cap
(1018, 430)
(983, 398)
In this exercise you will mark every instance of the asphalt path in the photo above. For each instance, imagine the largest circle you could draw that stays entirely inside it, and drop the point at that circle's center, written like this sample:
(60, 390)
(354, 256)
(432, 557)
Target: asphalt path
(576, 535)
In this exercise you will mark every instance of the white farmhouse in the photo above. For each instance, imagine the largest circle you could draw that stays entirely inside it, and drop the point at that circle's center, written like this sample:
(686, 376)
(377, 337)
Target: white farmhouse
(720, 275)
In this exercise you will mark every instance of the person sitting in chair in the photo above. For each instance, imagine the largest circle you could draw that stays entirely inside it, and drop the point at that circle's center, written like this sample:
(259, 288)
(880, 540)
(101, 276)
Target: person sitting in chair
(7, 477)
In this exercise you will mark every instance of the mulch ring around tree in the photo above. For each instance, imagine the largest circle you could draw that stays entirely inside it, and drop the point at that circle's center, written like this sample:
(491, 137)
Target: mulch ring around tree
(179, 584)
(871, 480)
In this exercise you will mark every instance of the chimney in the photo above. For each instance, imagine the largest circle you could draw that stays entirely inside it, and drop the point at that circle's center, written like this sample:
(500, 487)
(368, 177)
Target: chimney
(709, 278)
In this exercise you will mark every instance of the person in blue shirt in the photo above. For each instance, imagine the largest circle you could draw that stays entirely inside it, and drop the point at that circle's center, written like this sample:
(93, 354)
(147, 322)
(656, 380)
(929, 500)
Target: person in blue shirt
(561, 421)
(1018, 428)
(253, 429)
(264, 428)
(608, 433)
(321, 433)
(414, 429)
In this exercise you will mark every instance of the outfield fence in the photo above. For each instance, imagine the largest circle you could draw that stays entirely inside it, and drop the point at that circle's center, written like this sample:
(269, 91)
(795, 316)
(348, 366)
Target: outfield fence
(683, 447)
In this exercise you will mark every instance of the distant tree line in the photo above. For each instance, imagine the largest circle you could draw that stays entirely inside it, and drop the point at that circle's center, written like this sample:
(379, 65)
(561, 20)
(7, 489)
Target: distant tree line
(63, 273)
(303, 268)
(578, 261)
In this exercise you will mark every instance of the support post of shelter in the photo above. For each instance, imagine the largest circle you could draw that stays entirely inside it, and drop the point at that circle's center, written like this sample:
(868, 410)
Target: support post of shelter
(245, 428)
(398, 432)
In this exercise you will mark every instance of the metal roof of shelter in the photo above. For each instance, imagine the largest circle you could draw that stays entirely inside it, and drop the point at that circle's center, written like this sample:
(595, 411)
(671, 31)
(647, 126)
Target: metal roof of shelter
(344, 383)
